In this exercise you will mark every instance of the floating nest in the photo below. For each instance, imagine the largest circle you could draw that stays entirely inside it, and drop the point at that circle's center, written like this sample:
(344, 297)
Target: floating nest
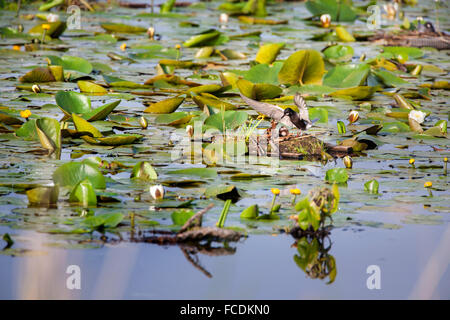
(309, 147)
(417, 39)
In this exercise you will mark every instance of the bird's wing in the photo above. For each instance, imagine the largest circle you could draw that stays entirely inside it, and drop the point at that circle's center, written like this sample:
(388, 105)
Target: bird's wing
(302, 108)
(267, 109)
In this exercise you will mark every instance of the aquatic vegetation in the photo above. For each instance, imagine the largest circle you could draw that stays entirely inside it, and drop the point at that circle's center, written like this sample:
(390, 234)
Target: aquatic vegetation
(128, 128)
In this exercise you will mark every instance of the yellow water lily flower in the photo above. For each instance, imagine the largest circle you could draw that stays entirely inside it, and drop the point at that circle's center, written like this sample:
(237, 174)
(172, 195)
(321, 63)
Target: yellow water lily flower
(275, 191)
(25, 114)
(428, 184)
(411, 161)
(295, 191)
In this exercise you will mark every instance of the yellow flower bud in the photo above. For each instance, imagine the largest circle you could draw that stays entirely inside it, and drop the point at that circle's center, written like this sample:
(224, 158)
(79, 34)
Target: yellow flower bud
(411, 161)
(16, 48)
(348, 162)
(295, 191)
(275, 191)
(123, 46)
(25, 114)
(46, 26)
(428, 184)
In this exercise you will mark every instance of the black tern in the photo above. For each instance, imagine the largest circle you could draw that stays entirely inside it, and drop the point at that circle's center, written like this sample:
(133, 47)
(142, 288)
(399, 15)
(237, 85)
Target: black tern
(287, 117)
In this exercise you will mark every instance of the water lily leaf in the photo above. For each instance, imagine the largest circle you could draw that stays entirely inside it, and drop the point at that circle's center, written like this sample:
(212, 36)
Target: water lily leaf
(9, 120)
(435, 132)
(72, 63)
(102, 112)
(355, 93)
(389, 79)
(338, 11)
(43, 196)
(227, 120)
(56, 29)
(38, 75)
(199, 172)
(107, 220)
(144, 170)
(207, 88)
(173, 119)
(259, 91)
(263, 73)
(204, 52)
(346, 76)
(371, 186)
(122, 28)
(232, 54)
(338, 175)
(90, 87)
(252, 20)
(344, 35)
(268, 53)
(180, 217)
(73, 102)
(410, 52)
(251, 212)
(248, 176)
(28, 130)
(304, 67)
(394, 127)
(71, 173)
(83, 194)
(319, 113)
(212, 101)
(223, 192)
(338, 53)
(174, 204)
(165, 106)
(50, 4)
(49, 133)
(442, 124)
(113, 140)
(84, 126)
(206, 38)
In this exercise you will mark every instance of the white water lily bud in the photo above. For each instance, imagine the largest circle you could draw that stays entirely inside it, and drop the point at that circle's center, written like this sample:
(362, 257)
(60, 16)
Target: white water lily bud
(325, 20)
(353, 116)
(190, 131)
(391, 10)
(35, 88)
(143, 123)
(223, 18)
(417, 115)
(51, 17)
(157, 192)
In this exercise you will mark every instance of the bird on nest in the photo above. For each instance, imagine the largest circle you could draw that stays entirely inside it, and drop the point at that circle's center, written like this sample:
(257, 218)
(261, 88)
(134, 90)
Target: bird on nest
(287, 117)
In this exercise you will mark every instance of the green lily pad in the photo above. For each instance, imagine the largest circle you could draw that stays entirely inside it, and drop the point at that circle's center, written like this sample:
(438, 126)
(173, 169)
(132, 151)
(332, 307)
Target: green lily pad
(165, 106)
(346, 76)
(43, 196)
(144, 170)
(122, 28)
(227, 120)
(338, 175)
(72, 63)
(83, 194)
(73, 102)
(90, 87)
(268, 53)
(71, 173)
(304, 67)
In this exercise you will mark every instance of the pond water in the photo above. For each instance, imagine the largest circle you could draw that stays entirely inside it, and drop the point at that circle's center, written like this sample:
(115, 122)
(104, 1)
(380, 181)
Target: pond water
(402, 231)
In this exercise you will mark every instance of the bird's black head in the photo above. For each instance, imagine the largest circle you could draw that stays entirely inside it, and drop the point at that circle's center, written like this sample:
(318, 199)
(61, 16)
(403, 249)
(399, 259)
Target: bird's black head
(289, 112)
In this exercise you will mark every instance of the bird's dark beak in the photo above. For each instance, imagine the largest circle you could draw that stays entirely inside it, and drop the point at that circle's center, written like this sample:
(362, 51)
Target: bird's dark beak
(284, 115)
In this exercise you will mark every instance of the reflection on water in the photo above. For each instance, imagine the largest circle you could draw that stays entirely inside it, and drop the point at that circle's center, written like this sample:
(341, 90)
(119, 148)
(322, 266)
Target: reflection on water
(313, 258)
(413, 263)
